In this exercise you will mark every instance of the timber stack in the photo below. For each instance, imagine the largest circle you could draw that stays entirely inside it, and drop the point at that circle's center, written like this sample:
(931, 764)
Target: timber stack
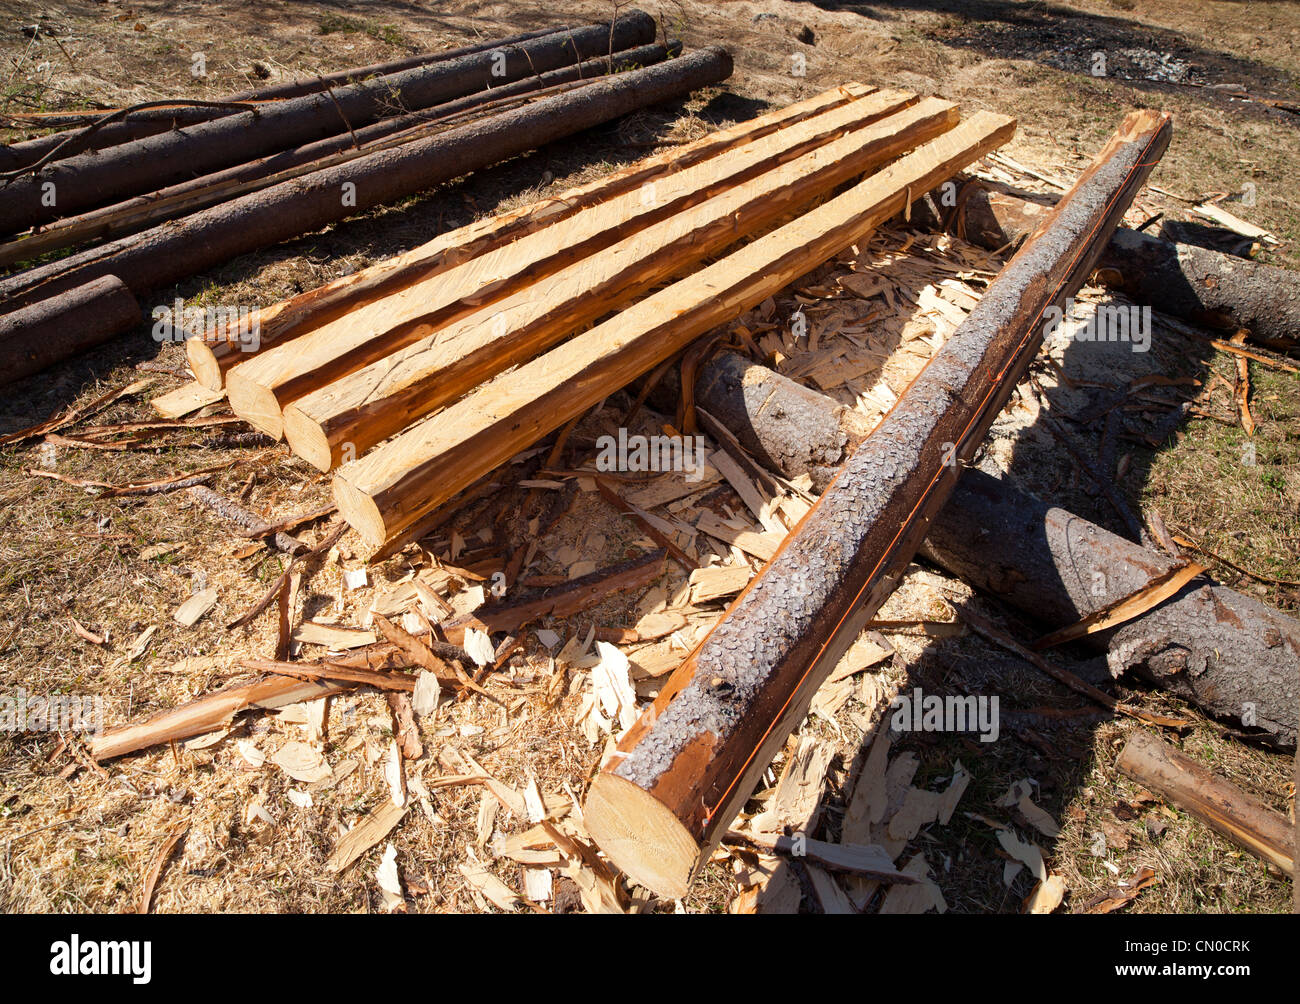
(155, 194)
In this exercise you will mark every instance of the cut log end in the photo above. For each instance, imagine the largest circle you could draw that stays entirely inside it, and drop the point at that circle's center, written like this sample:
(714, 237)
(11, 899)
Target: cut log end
(255, 404)
(308, 440)
(640, 835)
(203, 364)
(360, 511)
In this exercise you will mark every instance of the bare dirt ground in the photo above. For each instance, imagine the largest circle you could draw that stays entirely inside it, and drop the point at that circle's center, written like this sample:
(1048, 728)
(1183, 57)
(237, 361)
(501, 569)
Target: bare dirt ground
(76, 838)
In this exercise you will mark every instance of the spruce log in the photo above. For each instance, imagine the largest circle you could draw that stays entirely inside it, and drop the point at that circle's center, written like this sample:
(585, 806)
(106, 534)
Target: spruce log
(680, 774)
(1224, 651)
(1213, 799)
(396, 484)
(1200, 285)
(198, 193)
(150, 122)
(460, 347)
(185, 247)
(174, 250)
(93, 179)
(46, 331)
(786, 426)
(222, 345)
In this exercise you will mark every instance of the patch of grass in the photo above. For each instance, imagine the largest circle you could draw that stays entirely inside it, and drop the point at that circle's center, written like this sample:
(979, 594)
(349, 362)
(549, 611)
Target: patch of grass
(331, 23)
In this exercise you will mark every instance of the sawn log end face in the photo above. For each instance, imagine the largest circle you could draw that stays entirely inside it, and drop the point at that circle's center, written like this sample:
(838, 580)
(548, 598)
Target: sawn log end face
(640, 835)
(255, 404)
(360, 510)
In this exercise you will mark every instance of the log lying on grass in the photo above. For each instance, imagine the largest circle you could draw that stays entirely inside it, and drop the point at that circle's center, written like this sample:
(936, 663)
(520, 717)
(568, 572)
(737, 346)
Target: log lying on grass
(679, 775)
(393, 486)
(1214, 800)
(198, 193)
(93, 179)
(185, 247)
(1225, 651)
(364, 407)
(150, 122)
(46, 331)
(1198, 284)
(223, 345)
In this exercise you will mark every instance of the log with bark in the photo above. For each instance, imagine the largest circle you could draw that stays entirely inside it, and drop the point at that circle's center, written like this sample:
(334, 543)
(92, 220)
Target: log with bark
(44, 332)
(396, 484)
(1224, 651)
(224, 345)
(1214, 800)
(1198, 284)
(189, 196)
(92, 179)
(680, 774)
(150, 122)
(180, 248)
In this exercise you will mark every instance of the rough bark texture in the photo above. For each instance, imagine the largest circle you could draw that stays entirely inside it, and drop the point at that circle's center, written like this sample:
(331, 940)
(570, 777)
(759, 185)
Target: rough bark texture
(241, 517)
(153, 121)
(104, 176)
(38, 335)
(135, 214)
(180, 248)
(1218, 648)
(783, 424)
(1227, 653)
(1200, 285)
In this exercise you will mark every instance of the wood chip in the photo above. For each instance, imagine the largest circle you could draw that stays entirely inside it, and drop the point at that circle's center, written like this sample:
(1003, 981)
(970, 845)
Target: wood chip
(185, 399)
(718, 581)
(368, 832)
(193, 609)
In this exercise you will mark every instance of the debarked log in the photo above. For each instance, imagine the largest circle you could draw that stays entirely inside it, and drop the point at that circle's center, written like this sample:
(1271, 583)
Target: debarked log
(223, 345)
(679, 775)
(1224, 651)
(1213, 799)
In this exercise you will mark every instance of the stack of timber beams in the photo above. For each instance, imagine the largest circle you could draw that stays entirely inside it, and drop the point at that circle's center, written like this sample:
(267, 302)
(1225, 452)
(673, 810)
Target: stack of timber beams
(420, 375)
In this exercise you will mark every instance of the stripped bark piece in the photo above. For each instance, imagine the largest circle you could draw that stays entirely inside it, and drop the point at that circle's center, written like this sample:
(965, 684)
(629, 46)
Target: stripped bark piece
(563, 601)
(208, 713)
(160, 860)
(392, 682)
(1155, 592)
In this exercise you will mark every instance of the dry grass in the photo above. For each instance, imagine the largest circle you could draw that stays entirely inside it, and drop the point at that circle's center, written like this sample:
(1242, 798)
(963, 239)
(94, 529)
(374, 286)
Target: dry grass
(83, 843)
